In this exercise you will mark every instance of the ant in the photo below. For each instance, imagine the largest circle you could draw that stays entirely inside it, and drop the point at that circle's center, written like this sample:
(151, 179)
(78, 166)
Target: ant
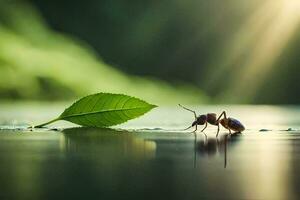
(211, 118)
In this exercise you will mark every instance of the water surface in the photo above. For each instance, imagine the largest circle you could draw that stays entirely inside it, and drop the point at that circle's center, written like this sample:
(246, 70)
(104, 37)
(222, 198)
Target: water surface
(150, 158)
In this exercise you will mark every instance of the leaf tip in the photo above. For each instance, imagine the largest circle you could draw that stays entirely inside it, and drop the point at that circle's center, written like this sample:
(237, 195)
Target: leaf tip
(153, 106)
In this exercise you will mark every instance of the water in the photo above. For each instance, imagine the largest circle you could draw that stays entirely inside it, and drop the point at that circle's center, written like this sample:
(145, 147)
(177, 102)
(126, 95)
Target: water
(150, 158)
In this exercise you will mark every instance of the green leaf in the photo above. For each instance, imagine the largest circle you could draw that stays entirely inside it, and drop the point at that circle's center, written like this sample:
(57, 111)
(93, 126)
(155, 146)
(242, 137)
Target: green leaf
(103, 110)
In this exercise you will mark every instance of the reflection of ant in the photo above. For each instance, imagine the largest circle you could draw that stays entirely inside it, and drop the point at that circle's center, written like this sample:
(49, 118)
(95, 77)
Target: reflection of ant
(211, 118)
(211, 147)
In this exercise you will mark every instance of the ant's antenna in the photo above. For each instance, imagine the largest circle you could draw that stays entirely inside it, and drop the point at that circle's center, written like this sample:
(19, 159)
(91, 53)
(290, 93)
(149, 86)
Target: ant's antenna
(189, 110)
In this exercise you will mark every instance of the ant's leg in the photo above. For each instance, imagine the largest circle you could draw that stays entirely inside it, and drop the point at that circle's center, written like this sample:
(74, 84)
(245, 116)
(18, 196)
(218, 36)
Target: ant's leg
(188, 128)
(226, 118)
(223, 113)
(204, 127)
(195, 129)
(218, 130)
(205, 136)
(189, 110)
(225, 151)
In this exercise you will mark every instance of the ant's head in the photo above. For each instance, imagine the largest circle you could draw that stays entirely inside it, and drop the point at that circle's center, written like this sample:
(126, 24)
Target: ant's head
(201, 119)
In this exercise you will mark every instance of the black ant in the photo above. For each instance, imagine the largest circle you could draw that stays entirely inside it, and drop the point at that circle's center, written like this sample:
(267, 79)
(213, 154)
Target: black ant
(211, 118)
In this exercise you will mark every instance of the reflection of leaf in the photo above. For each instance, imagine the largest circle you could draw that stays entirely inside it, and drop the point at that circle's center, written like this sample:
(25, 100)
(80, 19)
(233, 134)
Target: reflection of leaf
(103, 110)
(104, 141)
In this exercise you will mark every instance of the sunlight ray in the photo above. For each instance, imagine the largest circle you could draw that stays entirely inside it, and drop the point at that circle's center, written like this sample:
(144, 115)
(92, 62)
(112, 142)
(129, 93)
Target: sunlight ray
(241, 42)
(255, 48)
(267, 49)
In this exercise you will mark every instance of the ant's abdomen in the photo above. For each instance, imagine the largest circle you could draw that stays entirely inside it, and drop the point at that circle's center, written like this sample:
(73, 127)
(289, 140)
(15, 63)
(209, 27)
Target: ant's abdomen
(235, 125)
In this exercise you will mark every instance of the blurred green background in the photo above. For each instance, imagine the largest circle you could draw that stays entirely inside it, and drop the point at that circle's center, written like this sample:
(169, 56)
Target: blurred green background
(166, 52)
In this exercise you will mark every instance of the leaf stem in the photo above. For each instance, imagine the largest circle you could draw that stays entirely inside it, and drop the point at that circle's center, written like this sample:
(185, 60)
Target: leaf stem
(44, 124)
